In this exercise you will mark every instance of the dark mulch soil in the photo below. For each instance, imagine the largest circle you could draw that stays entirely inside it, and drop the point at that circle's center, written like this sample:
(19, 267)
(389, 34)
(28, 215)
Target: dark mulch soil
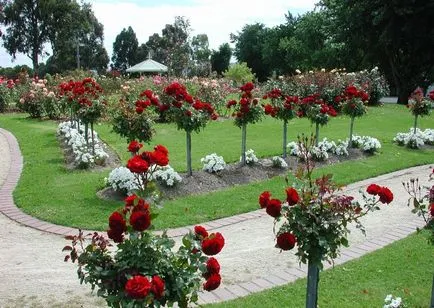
(234, 174)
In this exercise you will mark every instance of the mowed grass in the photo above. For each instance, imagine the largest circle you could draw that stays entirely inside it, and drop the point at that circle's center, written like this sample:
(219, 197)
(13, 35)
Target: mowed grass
(50, 192)
(403, 269)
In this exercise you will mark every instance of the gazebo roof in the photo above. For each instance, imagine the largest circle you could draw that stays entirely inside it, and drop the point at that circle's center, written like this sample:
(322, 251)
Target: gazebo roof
(148, 65)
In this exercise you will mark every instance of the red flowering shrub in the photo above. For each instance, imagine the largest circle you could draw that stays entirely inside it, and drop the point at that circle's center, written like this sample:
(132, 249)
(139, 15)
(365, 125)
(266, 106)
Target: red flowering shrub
(422, 201)
(315, 216)
(144, 270)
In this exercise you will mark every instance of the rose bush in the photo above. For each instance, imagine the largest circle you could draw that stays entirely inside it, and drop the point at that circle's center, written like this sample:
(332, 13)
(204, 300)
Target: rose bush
(314, 217)
(144, 270)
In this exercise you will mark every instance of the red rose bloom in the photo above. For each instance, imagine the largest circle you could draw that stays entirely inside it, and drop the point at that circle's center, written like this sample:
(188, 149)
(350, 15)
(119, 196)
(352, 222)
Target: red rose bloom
(373, 189)
(213, 282)
(264, 198)
(117, 222)
(273, 207)
(286, 241)
(431, 209)
(137, 287)
(115, 235)
(134, 146)
(292, 196)
(213, 244)
(137, 164)
(140, 220)
(201, 231)
(161, 148)
(157, 287)
(212, 266)
(159, 158)
(129, 201)
(386, 196)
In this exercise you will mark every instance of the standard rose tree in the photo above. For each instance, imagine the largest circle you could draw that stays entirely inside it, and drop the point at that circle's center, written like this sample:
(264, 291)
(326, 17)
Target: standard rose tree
(189, 114)
(314, 217)
(353, 103)
(282, 107)
(144, 270)
(246, 111)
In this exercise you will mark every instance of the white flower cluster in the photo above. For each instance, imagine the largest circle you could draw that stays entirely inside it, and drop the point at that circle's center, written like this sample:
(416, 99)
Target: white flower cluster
(415, 140)
(279, 162)
(83, 156)
(121, 179)
(250, 157)
(318, 153)
(391, 302)
(167, 176)
(213, 163)
(367, 143)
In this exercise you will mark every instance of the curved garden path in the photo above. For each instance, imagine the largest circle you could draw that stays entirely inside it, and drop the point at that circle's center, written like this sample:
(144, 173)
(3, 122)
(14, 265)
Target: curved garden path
(34, 274)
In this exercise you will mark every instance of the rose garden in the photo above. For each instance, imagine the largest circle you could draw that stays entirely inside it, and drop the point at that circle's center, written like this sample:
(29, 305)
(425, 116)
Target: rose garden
(130, 158)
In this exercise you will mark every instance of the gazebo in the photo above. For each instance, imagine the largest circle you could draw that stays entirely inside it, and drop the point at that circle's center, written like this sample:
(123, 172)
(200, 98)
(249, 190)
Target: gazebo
(147, 66)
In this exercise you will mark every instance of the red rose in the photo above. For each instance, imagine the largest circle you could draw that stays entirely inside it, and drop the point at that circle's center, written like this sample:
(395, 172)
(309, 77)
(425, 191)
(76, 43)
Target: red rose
(161, 148)
(431, 209)
(115, 235)
(117, 222)
(201, 231)
(273, 207)
(159, 158)
(137, 287)
(137, 165)
(386, 196)
(292, 196)
(213, 244)
(212, 266)
(140, 220)
(213, 282)
(264, 198)
(129, 201)
(286, 241)
(134, 146)
(157, 287)
(373, 189)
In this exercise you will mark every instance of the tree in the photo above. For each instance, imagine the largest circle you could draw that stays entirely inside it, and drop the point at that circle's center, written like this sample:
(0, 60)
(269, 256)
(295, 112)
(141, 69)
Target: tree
(399, 35)
(221, 58)
(125, 49)
(31, 24)
(248, 48)
(80, 45)
(201, 53)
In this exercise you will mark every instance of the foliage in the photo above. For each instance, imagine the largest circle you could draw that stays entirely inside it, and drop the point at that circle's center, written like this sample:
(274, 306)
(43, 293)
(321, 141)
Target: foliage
(315, 216)
(220, 58)
(125, 50)
(247, 110)
(248, 48)
(396, 35)
(133, 119)
(239, 73)
(422, 201)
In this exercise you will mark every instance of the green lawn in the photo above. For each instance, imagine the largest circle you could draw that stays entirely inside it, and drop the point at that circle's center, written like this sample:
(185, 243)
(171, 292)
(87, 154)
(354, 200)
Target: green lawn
(403, 269)
(50, 192)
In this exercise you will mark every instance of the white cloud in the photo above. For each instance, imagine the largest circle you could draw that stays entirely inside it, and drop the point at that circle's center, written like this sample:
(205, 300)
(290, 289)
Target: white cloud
(215, 18)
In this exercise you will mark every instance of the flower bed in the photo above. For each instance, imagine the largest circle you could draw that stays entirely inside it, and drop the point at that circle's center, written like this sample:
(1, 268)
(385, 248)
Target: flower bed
(82, 154)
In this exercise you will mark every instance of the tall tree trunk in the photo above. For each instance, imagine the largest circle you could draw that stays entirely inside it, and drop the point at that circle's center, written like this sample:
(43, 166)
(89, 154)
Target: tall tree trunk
(243, 144)
(188, 139)
(285, 134)
(312, 285)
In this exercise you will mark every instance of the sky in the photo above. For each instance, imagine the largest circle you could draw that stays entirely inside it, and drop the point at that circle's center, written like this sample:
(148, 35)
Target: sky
(216, 18)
